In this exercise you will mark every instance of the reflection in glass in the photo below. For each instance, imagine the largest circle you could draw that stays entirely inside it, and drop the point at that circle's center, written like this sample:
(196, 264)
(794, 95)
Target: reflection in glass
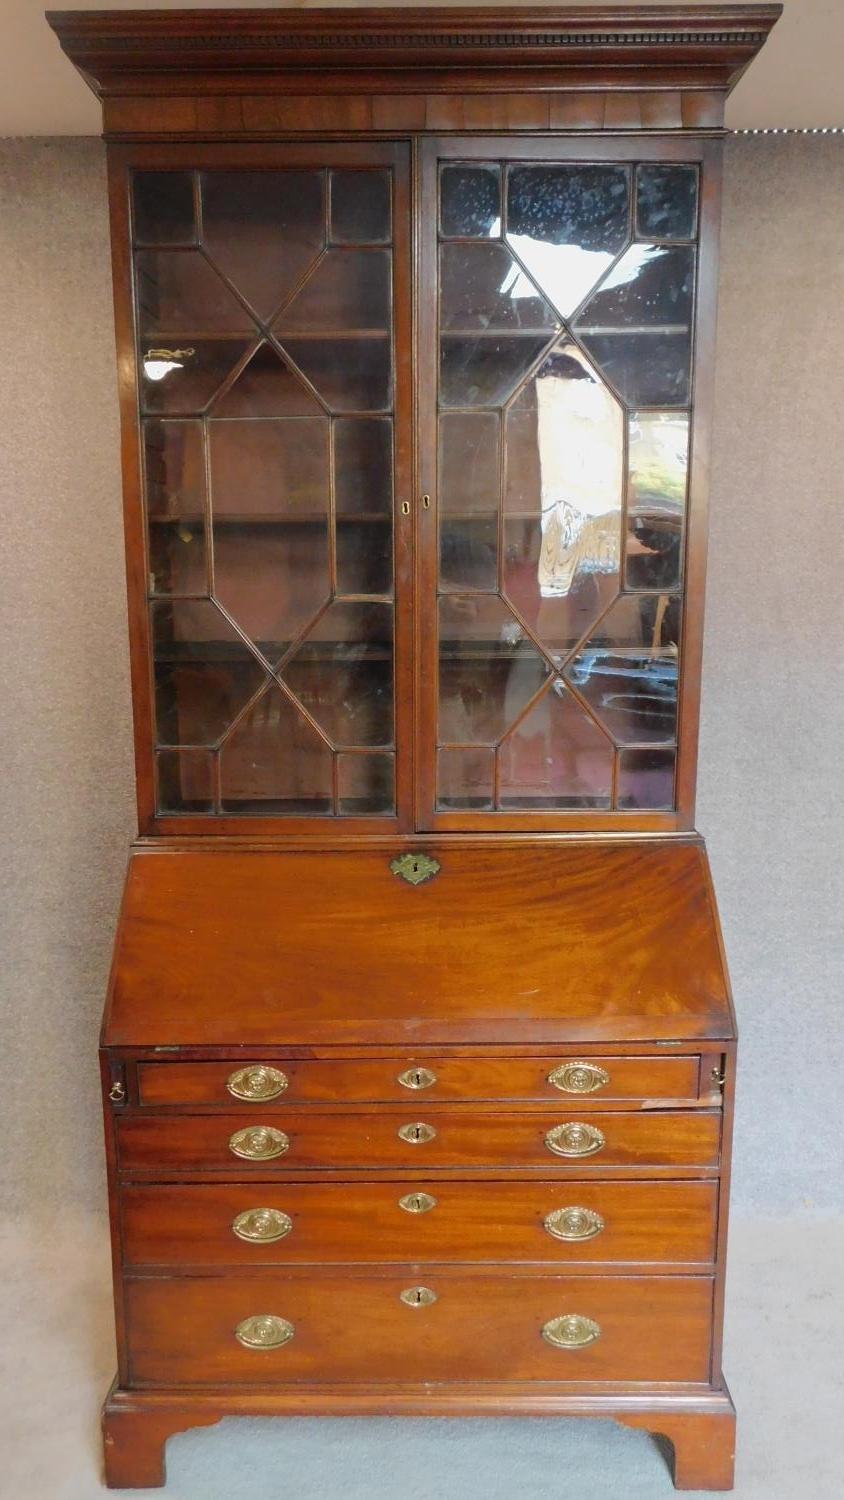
(658, 450)
(484, 371)
(275, 762)
(646, 779)
(566, 223)
(555, 757)
(182, 376)
(564, 442)
(365, 784)
(163, 209)
(489, 670)
(351, 374)
(470, 201)
(363, 465)
(666, 201)
(185, 781)
(204, 672)
(360, 207)
(263, 229)
(348, 289)
(267, 386)
(627, 671)
(483, 288)
(465, 779)
(343, 673)
(637, 326)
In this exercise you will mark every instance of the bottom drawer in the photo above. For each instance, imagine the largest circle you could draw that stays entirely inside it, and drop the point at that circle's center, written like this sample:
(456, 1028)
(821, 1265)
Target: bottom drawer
(343, 1328)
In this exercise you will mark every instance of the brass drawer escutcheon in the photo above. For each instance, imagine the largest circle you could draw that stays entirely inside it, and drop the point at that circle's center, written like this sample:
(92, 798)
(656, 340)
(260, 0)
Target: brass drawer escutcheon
(417, 1078)
(262, 1226)
(575, 1139)
(578, 1078)
(264, 1331)
(573, 1223)
(416, 1132)
(259, 1143)
(417, 1203)
(571, 1331)
(418, 1296)
(257, 1082)
(416, 869)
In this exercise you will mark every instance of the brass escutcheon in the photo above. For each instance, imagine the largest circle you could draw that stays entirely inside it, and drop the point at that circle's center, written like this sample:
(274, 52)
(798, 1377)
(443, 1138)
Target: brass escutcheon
(416, 1132)
(575, 1139)
(571, 1331)
(573, 1223)
(415, 868)
(262, 1226)
(418, 1296)
(259, 1081)
(417, 1078)
(578, 1078)
(259, 1143)
(417, 1203)
(264, 1331)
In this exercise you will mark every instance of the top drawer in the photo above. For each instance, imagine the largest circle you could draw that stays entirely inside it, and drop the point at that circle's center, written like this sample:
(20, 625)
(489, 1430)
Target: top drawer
(347, 1081)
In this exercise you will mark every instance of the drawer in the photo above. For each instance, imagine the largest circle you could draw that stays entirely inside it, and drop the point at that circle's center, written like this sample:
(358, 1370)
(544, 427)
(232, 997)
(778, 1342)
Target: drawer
(282, 1141)
(264, 1081)
(480, 1327)
(604, 1222)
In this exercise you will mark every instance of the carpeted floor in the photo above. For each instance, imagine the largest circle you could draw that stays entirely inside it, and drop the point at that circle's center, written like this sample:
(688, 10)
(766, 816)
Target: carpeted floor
(783, 1362)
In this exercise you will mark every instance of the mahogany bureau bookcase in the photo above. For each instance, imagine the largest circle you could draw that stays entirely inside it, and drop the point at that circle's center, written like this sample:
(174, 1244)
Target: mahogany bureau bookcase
(418, 1051)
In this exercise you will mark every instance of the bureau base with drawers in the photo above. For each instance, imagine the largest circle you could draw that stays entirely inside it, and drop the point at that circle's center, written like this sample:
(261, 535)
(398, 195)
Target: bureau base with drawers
(351, 1211)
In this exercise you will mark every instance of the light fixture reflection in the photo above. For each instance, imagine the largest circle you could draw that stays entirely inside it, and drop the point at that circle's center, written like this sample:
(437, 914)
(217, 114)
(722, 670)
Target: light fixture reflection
(159, 362)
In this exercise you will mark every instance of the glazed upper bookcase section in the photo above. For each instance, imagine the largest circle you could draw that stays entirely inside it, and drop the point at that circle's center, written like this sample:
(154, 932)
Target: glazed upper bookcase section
(255, 72)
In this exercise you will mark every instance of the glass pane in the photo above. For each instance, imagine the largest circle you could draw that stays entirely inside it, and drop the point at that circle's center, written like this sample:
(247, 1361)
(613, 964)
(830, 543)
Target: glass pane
(483, 288)
(163, 209)
(638, 325)
(204, 672)
(348, 374)
(364, 555)
(185, 781)
(470, 201)
(468, 476)
(488, 670)
(365, 785)
(564, 455)
(174, 470)
(646, 779)
(658, 450)
(360, 207)
(177, 557)
(181, 377)
(343, 673)
(179, 294)
(484, 371)
(469, 552)
(465, 779)
(556, 757)
(274, 762)
(363, 465)
(349, 290)
(627, 671)
(263, 229)
(269, 468)
(267, 386)
(666, 201)
(567, 223)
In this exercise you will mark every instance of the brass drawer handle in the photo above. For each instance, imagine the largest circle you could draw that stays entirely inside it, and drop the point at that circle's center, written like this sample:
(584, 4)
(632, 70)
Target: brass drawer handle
(259, 1143)
(418, 1296)
(416, 1132)
(264, 1331)
(257, 1082)
(417, 1203)
(262, 1226)
(575, 1139)
(571, 1331)
(574, 1223)
(579, 1078)
(417, 1078)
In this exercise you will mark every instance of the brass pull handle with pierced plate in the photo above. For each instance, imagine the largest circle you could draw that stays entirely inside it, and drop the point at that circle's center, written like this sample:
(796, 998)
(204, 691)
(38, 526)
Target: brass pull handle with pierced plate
(416, 1132)
(262, 1226)
(573, 1223)
(259, 1143)
(571, 1331)
(575, 1139)
(417, 1078)
(257, 1082)
(579, 1078)
(264, 1331)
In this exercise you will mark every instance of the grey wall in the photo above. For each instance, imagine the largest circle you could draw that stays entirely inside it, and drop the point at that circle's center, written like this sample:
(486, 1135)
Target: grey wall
(770, 789)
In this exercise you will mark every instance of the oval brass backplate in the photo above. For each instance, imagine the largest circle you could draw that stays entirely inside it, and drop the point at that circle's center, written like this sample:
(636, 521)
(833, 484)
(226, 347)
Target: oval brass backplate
(579, 1078)
(573, 1223)
(262, 1226)
(575, 1139)
(259, 1143)
(264, 1331)
(417, 1078)
(418, 1296)
(416, 1132)
(257, 1082)
(571, 1331)
(417, 1203)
